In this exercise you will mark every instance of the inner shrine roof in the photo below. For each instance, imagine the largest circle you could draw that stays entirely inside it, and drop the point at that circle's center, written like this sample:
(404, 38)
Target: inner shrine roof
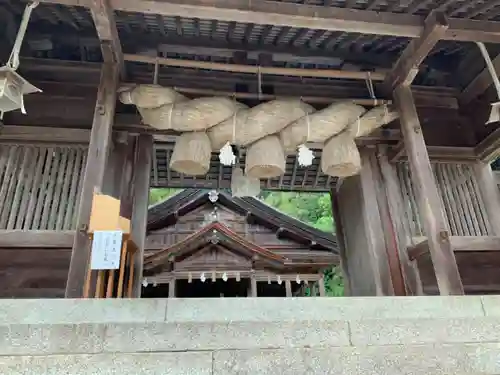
(167, 212)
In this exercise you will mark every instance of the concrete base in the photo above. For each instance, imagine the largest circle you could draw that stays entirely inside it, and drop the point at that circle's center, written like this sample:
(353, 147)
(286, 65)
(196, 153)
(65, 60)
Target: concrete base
(384, 335)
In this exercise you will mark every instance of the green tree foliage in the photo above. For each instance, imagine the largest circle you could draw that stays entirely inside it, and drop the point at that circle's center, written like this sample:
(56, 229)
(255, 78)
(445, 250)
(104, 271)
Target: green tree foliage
(160, 194)
(314, 209)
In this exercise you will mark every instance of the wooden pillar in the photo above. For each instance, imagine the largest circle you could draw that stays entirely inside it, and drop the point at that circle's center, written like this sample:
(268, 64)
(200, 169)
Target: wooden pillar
(288, 288)
(395, 204)
(388, 230)
(253, 286)
(490, 194)
(430, 206)
(93, 178)
(340, 236)
(321, 286)
(171, 288)
(377, 251)
(142, 173)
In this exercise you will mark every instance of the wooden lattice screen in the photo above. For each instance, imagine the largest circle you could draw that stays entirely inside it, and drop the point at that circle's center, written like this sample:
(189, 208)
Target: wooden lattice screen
(40, 186)
(460, 195)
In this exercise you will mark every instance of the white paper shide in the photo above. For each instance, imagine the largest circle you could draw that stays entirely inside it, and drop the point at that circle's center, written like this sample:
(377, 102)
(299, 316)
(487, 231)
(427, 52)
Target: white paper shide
(106, 250)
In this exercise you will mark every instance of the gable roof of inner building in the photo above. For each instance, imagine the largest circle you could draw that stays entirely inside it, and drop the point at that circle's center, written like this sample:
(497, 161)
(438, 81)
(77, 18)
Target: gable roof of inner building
(166, 213)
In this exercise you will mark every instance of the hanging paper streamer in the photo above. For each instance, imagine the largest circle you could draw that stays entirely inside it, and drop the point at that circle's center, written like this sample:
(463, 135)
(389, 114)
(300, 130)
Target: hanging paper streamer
(224, 276)
(202, 277)
(226, 155)
(305, 156)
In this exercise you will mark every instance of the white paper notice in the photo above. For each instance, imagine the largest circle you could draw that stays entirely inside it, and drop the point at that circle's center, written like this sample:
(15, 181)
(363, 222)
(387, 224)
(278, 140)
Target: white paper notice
(106, 250)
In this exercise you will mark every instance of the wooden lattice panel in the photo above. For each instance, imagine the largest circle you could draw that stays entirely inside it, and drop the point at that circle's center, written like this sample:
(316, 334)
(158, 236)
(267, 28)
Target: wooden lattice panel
(40, 186)
(461, 198)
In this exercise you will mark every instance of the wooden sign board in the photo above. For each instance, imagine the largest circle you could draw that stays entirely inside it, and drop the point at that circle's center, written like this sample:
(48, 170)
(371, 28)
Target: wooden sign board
(106, 250)
(105, 214)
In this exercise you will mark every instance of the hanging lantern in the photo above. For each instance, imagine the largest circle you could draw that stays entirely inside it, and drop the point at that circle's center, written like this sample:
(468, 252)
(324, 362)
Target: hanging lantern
(13, 87)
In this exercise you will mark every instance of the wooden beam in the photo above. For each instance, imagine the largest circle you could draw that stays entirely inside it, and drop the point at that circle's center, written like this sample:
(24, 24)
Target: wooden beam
(479, 84)
(93, 178)
(105, 24)
(429, 202)
(253, 69)
(306, 16)
(406, 68)
(488, 150)
(459, 244)
(490, 194)
(20, 134)
(36, 239)
(142, 171)
(437, 153)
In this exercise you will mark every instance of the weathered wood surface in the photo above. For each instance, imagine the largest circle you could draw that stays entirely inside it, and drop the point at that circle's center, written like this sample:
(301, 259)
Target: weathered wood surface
(36, 238)
(374, 229)
(93, 177)
(401, 231)
(304, 16)
(142, 171)
(429, 202)
(388, 229)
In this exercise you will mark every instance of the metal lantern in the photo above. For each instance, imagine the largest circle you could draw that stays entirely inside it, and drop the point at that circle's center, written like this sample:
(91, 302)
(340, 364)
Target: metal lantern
(13, 87)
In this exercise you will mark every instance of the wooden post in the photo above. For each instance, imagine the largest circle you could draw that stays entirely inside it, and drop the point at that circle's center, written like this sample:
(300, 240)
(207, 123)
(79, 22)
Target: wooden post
(339, 234)
(142, 172)
(396, 212)
(93, 177)
(429, 202)
(490, 194)
(321, 286)
(374, 229)
(288, 288)
(171, 288)
(253, 286)
(388, 229)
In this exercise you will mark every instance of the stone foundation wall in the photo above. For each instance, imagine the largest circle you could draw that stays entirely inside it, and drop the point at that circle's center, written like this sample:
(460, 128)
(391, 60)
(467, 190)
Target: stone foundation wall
(313, 336)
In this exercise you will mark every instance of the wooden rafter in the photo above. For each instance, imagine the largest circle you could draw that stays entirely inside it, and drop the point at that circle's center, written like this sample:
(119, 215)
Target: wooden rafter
(406, 68)
(303, 16)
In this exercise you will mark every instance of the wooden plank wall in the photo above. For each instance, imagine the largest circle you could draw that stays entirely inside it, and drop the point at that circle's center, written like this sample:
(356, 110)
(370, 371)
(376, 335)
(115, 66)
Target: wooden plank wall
(40, 186)
(459, 190)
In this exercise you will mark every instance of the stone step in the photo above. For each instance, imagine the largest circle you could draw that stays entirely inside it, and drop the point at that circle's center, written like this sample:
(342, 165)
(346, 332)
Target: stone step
(40, 339)
(461, 359)
(244, 309)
